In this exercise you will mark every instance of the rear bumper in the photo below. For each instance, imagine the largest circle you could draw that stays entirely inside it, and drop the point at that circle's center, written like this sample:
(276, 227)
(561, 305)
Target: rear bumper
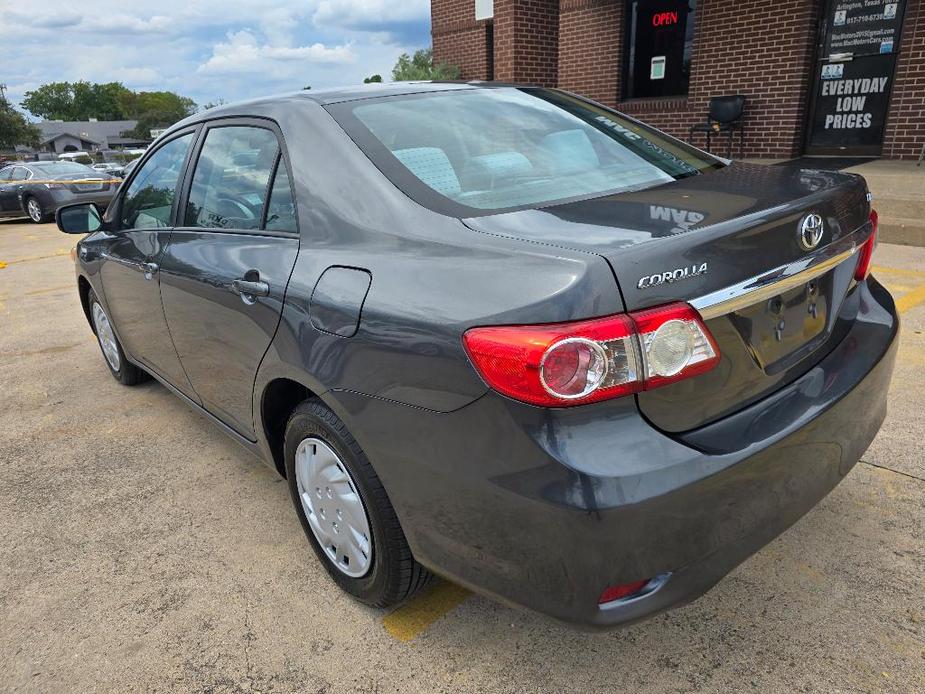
(545, 508)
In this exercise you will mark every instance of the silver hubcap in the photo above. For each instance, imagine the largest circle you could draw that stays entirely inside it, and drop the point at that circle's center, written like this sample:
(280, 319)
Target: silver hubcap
(106, 337)
(333, 507)
(35, 211)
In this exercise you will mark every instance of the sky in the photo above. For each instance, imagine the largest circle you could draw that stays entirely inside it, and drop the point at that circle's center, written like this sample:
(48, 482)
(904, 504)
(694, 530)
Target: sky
(207, 49)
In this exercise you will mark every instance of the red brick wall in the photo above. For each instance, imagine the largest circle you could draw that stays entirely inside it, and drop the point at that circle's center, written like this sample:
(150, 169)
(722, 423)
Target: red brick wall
(764, 50)
(754, 47)
(590, 45)
(461, 40)
(526, 34)
(905, 125)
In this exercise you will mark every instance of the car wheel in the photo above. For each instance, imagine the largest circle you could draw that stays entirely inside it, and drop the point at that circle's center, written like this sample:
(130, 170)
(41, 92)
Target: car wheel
(122, 370)
(345, 511)
(35, 210)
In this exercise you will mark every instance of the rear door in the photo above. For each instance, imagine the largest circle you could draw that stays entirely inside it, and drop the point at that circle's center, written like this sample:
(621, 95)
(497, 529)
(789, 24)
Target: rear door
(224, 275)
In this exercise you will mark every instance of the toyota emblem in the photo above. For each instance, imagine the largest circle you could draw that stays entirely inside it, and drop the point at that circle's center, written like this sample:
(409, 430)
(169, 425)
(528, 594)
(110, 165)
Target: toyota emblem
(811, 230)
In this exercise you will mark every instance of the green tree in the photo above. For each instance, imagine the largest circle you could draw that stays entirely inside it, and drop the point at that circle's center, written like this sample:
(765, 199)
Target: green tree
(76, 101)
(79, 101)
(372, 79)
(421, 66)
(14, 128)
(159, 110)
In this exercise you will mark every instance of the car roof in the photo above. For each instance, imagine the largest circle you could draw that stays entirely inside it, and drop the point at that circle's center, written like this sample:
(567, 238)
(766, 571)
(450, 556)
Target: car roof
(334, 95)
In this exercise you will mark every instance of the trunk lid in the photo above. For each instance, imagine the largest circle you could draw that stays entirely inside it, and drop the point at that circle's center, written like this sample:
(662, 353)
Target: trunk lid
(705, 239)
(85, 183)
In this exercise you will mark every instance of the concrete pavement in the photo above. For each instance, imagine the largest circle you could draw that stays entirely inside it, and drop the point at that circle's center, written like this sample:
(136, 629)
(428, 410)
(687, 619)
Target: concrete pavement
(143, 550)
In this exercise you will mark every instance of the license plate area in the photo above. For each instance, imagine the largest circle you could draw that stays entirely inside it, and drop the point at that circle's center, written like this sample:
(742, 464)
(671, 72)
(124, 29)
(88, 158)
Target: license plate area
(88, 187)
(784, 329)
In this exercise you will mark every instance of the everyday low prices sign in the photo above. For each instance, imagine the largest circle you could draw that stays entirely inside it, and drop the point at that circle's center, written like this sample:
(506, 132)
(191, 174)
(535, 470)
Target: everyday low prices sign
(856, 75)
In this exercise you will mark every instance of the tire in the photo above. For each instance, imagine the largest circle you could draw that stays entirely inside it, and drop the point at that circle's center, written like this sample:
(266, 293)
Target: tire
(35, 211)
(393, 575)
(121, 368)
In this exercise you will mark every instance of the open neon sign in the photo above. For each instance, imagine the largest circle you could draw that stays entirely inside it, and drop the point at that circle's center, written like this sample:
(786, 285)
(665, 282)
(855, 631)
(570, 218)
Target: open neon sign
(661, 19)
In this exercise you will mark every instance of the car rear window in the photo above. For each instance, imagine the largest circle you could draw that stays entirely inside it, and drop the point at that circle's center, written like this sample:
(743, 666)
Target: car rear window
(480, 151)
(63, 168)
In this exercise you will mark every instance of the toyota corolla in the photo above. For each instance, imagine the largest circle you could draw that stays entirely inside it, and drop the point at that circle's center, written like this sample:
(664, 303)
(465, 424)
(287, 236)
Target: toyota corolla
(504, 335)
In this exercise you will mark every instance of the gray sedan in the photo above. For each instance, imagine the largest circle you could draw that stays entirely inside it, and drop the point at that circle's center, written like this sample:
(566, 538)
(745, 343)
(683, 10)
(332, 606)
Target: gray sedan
(37, 189)
(502, 334)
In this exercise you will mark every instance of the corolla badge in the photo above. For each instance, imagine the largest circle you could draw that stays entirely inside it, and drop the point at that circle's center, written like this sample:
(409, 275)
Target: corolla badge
(669, 276)
(811, 229)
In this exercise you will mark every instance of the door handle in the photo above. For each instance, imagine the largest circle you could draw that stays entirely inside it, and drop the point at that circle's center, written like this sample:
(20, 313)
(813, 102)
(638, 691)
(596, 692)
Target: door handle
(150, 269)
(249, 290)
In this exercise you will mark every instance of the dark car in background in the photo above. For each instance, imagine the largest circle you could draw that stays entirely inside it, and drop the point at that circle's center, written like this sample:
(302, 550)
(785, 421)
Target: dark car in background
(503, 334)
(37, 189)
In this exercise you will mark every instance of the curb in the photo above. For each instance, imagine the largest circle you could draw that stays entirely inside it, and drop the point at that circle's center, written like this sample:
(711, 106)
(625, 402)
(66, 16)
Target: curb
(902, 234)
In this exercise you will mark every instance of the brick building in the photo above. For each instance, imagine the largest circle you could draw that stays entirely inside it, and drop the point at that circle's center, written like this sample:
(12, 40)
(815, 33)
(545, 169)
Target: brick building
(828, 77)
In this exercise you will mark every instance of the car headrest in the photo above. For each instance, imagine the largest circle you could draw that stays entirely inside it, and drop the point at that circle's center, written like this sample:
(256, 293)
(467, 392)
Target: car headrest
(431, 165)
(499, 165)
(570, 151)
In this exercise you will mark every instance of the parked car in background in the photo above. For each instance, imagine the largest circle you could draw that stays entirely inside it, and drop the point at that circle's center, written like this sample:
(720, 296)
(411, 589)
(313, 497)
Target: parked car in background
(127, 169)
(37, 189)
(109, 167)
(513, 337)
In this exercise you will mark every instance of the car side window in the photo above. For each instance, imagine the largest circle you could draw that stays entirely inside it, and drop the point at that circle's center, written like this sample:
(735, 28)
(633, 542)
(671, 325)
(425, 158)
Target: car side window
(5, 174)
(232, 175)
(20, 174)
(148, 201)
(281, 206)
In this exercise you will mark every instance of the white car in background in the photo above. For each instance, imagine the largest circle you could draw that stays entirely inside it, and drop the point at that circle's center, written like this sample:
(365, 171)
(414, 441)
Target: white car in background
(108, 167)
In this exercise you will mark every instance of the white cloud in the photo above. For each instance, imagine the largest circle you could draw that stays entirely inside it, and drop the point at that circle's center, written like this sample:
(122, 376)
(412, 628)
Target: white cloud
(136, 75)
(128, 24)
(365, 12)
(208, 49)
(243, 53)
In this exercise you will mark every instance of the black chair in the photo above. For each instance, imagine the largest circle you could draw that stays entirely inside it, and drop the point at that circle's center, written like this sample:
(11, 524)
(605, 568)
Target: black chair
(725, 116)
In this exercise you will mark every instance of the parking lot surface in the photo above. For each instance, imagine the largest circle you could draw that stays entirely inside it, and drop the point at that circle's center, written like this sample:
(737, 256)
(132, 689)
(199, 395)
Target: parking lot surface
(143, 550)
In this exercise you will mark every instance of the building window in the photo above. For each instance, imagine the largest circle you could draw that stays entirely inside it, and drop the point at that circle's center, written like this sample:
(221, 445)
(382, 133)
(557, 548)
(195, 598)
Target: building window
(484, 9)
(659, 46)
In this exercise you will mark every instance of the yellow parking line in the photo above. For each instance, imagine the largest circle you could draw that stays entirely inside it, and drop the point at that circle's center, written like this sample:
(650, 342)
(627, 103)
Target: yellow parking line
(411, 619)
(898, 271)
(910, 299)
(34, 257)
(50, 290)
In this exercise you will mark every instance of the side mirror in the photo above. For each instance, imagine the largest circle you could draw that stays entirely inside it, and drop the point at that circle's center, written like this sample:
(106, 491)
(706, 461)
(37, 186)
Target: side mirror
(82, 218)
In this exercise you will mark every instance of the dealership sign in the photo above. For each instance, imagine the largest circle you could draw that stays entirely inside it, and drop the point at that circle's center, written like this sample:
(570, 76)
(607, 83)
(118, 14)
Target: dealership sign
(855, 76)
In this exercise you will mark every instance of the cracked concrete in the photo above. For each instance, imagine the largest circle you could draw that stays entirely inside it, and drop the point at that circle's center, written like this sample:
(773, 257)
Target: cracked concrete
(144, 551)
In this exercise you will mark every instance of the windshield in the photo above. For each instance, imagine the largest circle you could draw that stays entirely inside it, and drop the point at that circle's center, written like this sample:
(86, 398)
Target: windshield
(60, 168)
(506, 148)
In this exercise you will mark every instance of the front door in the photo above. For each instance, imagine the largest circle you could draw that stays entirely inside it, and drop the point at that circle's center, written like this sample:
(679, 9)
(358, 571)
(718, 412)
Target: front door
(853, 77)
(131, 262)
(224, 274)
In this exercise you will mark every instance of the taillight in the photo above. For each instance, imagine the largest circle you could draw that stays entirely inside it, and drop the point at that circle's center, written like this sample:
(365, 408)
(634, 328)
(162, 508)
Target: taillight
(621, 591)
(866, 254)
(575, 363)
(675, 344)
(55, 186)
